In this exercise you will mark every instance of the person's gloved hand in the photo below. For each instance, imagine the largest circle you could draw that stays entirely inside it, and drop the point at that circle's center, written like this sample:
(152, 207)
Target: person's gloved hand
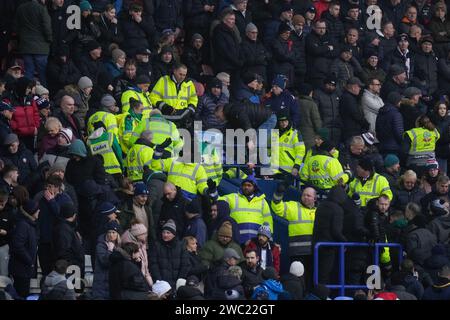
(159, 149)
(279, 193)
(212, 189)
(167, 110)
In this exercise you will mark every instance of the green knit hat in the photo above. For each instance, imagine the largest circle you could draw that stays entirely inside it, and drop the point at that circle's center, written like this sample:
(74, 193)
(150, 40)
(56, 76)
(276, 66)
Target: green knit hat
(78, 148)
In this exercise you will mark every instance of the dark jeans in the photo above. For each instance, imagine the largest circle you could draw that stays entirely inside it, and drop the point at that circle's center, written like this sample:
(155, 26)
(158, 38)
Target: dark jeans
(22, 286)
(327, 259)
(33, 62)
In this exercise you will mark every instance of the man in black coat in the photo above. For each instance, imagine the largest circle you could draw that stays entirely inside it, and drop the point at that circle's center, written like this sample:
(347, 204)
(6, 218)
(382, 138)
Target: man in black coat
(328, 227)
(243, 16)
(61, 70)
(91, 64)
(244, 115)
(6, 113)
(253, 53)
(168, 15)
(401, 56)
(327, 100)
(173, 207)
(396, 80)
(351, 112)
(320, 50)
(225, 45)
(138, 30)
(251, 272)
(334, 22)
(426, 66)
(23, 252)
(168, 257)
(66, 240)
(62, 36)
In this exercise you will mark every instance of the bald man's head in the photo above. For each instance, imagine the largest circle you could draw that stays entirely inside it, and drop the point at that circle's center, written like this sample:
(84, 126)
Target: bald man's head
(170, 191)
(309, 197)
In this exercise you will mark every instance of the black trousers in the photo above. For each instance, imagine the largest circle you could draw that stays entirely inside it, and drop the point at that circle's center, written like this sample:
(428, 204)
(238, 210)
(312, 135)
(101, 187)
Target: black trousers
(22, 286)
(46, 258)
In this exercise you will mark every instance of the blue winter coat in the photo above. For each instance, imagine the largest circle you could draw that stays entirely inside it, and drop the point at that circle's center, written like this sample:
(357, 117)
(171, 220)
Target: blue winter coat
(23, 251)
(196, 227)
(100, 286)
(272, 287)
(285, 101)
(439, 291)
(113, 70)
(205, 110)
(49, 214)
(24, 160)
(389, 129)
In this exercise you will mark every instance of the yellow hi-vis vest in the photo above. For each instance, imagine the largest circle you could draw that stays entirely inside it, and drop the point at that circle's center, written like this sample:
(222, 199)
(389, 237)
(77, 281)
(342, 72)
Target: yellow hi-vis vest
(300, 227)
(290, 151)
(213, 167)
(374, 187)
(423, 141)
(107, 118)
(190, 177)
(166, 90)
(249, 215)
(127, 124)
(143, 97)
(161, 129)
(323, 172)
(103, 146)
(138, 156)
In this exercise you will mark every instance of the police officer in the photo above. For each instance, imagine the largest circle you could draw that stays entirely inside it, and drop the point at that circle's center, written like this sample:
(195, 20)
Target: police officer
(367, 183)
(106, 115)
(139, 156)
(140, 93)
(288, 154)
(175, 95)
(322, 171)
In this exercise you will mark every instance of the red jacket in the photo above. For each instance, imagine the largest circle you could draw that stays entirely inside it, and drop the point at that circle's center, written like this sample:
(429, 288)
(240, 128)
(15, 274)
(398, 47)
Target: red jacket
(274, 248)
(25, 118)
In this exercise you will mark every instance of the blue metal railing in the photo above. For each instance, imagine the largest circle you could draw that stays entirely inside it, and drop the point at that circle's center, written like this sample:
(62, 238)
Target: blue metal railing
(342, 245)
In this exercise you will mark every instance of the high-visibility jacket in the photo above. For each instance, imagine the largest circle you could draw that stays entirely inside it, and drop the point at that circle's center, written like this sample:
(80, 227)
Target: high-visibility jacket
(309, 153)
(213, 167)
(190, 177)
(166, 90)
(162, 129)
(249, 214)
(289, 152)
(323, 172)
(107, 118)
(138, 156)
(374, 187)
(136, 93)
(300, 227)
(385, 257)
(233, 173)
(423, 141)
(127, 123)
(108, 147)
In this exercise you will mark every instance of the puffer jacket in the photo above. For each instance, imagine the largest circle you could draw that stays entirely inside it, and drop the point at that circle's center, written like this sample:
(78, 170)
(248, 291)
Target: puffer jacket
(371, 104)
(328, 104)
(246, 115)
(334, 26)
(26, 117)
(205, 110)
(426, 70)
(389, 129)
(169, 261)
(402, 196)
